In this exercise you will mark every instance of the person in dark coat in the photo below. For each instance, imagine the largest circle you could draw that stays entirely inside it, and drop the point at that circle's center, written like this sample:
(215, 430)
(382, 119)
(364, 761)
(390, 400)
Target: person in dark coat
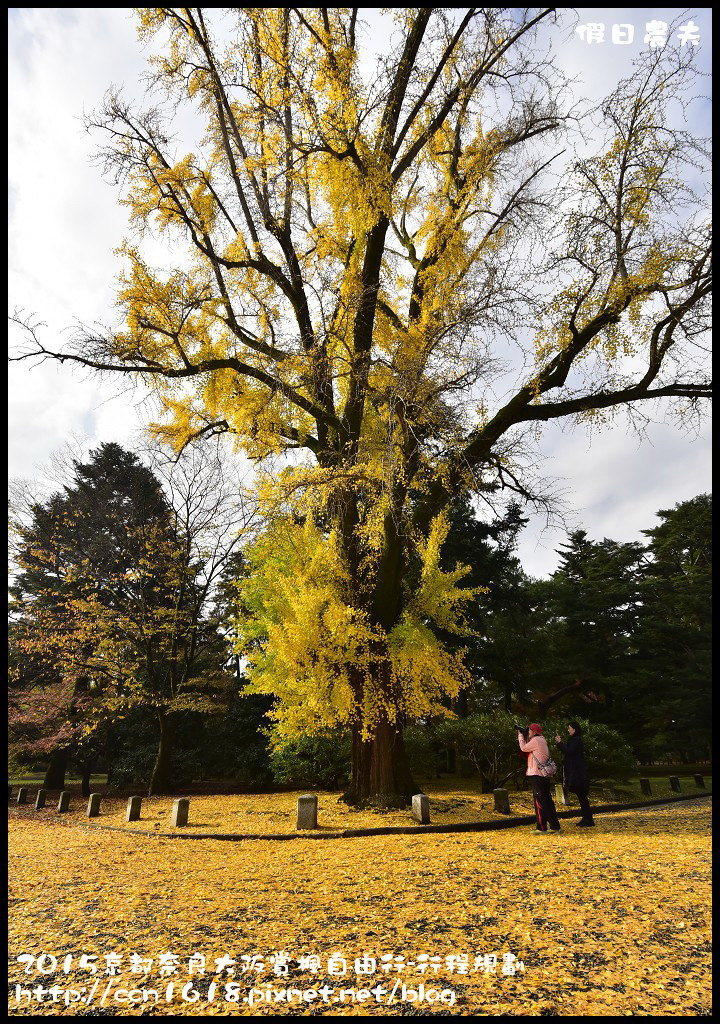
(575, 770)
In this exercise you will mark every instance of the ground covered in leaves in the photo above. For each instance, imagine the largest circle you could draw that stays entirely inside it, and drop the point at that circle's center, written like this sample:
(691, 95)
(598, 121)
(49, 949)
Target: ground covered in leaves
(607, 921)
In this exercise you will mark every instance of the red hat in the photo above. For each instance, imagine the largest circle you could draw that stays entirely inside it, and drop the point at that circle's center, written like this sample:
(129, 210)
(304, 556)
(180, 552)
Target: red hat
(536, 727)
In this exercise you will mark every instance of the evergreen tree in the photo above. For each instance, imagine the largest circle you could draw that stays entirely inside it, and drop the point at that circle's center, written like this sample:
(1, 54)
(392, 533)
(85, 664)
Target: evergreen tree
(674, 638)
(108, 601)
(593, 598)
(498, 617)
(84, 540)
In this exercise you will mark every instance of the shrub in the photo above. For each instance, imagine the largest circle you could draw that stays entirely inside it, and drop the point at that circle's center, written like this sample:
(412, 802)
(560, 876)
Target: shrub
(424, 751)
(485, 744)
(607, 754)
(321, 761)
(234, 745)
(19, 767)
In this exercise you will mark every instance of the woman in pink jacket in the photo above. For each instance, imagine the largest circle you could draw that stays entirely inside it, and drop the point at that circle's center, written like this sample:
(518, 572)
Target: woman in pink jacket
(537, 750)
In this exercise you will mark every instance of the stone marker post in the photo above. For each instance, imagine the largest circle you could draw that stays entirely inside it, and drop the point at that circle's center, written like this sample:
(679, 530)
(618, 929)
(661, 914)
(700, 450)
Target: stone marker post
(180, 810)
(133, 808)
(675, 784)
(421, 808)
(93, 807)
(40, 799)
(22, 795)
(307, 807)
(64, 801)
(699, 781)
(645, 787)
(561, 794)
(502, 801)
(611, 793)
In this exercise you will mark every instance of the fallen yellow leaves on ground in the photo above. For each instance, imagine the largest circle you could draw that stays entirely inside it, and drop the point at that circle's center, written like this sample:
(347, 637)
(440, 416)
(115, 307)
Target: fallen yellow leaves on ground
(609, 921)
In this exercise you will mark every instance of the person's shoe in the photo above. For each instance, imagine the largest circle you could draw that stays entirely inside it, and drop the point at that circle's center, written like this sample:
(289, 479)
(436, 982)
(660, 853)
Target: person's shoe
(586, 824)
(555, 829)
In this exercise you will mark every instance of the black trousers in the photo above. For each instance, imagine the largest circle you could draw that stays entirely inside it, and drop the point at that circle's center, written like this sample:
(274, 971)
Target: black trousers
(544, 806)
(582, 795)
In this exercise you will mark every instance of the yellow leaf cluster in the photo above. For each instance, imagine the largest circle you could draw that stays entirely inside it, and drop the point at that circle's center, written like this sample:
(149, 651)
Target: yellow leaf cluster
(310, 645)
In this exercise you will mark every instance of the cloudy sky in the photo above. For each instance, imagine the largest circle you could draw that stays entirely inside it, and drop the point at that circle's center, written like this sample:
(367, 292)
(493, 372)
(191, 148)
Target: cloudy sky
(65, 223)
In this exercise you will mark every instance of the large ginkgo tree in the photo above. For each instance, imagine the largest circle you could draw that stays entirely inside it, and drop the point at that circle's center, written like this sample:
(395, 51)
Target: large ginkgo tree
(388, 274)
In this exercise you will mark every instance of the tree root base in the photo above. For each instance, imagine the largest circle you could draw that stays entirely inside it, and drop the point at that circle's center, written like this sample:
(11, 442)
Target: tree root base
(386, 802)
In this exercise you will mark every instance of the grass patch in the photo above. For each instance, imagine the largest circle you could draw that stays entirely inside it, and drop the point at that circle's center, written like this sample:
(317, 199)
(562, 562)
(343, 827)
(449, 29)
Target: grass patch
(70, 780)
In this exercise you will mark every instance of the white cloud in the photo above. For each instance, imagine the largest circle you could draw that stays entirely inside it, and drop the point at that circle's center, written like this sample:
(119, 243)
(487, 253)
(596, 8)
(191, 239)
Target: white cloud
(616, 483)
(65, 221)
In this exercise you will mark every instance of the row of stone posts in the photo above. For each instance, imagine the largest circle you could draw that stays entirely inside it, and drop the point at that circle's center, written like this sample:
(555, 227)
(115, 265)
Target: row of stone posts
(179, 816)
(646, 788)
(41, 798)
(502, 800)
(561, 793)
(307, 805)
(307, 810)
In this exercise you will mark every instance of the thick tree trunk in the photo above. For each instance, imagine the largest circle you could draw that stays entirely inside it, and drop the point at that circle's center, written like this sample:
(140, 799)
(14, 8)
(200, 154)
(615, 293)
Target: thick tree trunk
(112, 747)
(85, 773)
(381, 774)
(55, 774)
(160, 781)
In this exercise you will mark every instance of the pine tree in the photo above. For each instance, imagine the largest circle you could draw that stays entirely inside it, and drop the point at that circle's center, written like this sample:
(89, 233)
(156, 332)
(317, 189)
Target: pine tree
(106, 603)
(674, 639)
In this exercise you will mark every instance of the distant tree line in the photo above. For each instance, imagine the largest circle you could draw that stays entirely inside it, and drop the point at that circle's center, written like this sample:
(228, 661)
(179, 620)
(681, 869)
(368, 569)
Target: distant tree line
(620, 633)
(126, 593)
